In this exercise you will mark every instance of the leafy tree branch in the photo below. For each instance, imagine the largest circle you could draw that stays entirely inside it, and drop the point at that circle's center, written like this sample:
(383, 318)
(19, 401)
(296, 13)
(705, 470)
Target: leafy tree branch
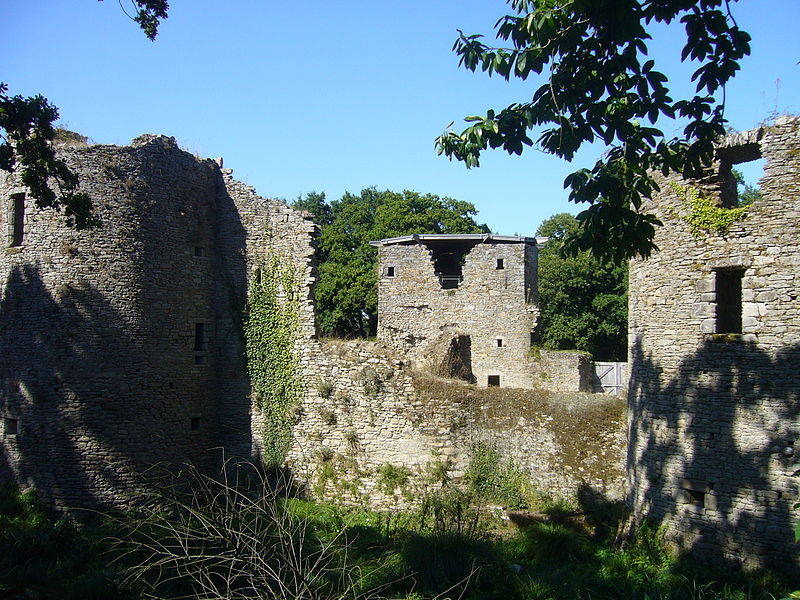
(601, 87)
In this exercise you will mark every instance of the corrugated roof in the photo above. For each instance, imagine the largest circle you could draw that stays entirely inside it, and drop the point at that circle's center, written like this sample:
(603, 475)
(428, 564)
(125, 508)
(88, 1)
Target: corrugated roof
(451, 237)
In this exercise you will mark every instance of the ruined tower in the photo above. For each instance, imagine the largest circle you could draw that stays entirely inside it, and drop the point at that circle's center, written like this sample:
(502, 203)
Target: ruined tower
(714, 352)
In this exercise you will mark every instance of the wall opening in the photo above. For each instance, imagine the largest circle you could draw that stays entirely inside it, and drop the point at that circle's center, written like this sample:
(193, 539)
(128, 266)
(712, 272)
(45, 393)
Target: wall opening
(390, 271)
(10, 426)
(199, 337)
(728, 300)
(500, 264)
(499, 342)
(493, 381)
(448, 259)
(17, 219)
(199, 251)
(741, 168)
(457, 362)
(194, 424)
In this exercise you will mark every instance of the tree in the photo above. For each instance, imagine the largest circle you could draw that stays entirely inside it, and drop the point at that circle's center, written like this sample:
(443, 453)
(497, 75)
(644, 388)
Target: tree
(27, 133)
(583, 300)
(601, 87)
(346, 292)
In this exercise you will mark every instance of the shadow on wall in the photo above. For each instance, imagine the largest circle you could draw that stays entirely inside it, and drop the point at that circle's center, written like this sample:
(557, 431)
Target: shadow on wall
(711, 452)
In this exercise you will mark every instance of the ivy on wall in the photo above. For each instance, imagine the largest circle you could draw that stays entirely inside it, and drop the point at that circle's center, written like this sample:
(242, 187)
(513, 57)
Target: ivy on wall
(704, 217)
(271, 327)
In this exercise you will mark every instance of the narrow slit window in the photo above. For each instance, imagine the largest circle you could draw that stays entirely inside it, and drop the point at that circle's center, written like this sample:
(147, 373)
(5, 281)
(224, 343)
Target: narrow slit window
(199, 337)
(17, 219)
(729, 300)
(493, 381)
(499, 342)
(390, 271)
(500, 264)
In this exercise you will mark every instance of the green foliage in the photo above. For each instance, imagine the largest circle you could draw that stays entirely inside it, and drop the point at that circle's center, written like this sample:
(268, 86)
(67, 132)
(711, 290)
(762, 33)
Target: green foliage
(392, 478)
(703, 216)
(26, 133)
(491, 480)
(270, 328)
(346, 290)
(601, 86)
(583, 299)
(45, 556)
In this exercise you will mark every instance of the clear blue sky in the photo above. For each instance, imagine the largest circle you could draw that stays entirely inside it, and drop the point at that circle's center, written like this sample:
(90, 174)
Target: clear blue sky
(331, 96)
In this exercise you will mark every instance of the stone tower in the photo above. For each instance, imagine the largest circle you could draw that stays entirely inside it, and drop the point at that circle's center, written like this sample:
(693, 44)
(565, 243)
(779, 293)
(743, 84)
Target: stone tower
(120, 347)
(714, 394)
(465, 305)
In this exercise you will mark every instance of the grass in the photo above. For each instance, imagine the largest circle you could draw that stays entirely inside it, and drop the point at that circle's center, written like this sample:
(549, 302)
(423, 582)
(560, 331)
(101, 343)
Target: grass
(300, 549)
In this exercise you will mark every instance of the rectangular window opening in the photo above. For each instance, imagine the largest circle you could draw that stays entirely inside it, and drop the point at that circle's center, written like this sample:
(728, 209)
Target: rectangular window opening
(729, 300)
(493, 381)
(194, 424)
(390, 271)
(199, 360)
(499, 342)
(17, 219)
(500, 264)
(10, 426)
(199, 251)
(697, 498)
(199, 337)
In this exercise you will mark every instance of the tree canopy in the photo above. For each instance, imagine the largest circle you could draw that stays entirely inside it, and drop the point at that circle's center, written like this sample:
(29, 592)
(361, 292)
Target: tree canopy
(583, 300)
(601, 86)
(346, 291)
(27, 132)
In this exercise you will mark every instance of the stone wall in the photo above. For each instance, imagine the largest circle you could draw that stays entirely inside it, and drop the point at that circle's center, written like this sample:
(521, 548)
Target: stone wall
(487, 319)
(367, 417)
(714, 390)
(121, 347)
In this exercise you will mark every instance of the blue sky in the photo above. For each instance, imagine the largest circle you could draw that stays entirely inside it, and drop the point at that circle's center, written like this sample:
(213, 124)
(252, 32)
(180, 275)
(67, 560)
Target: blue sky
(333, 96)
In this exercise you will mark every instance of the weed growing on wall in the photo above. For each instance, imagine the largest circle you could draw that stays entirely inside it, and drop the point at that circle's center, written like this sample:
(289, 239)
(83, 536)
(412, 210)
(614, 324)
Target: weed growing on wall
(271, 327)
(704, 217)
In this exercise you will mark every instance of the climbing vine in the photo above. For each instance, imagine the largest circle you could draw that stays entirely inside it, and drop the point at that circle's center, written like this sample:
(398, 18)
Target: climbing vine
(704, 217)
(271, 327)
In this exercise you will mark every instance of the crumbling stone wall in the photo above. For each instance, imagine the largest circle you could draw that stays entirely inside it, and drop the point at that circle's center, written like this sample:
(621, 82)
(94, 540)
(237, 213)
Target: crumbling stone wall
(714, 411)
(492, 310)
(366, 413)
(121, 347)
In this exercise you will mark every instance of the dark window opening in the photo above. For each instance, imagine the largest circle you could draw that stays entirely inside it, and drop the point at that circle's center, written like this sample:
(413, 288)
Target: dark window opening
(448, 262)
(17, 219)
(696, 498)
(11, 426)
(741, 167)
(199, 360)
(199, 337)
(194, 424)
(500, 264)
(199, 251)
(493, 381)
(729, 300)
(499, 342)
(390, 271)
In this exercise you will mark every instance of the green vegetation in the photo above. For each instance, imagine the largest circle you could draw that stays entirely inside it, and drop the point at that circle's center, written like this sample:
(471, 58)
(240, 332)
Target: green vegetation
(599, 84)
(225, 543)
(346, 291)
(270, 331)
(583, 299)
(703, 216)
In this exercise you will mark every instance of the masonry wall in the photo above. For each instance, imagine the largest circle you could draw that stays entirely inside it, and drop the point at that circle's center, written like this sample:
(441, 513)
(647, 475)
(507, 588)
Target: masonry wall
(101, 374)
(713, 414)
(366, 415)
(494, 307)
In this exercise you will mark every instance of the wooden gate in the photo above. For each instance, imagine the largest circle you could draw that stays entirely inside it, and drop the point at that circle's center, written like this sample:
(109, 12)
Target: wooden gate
(610, 377)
